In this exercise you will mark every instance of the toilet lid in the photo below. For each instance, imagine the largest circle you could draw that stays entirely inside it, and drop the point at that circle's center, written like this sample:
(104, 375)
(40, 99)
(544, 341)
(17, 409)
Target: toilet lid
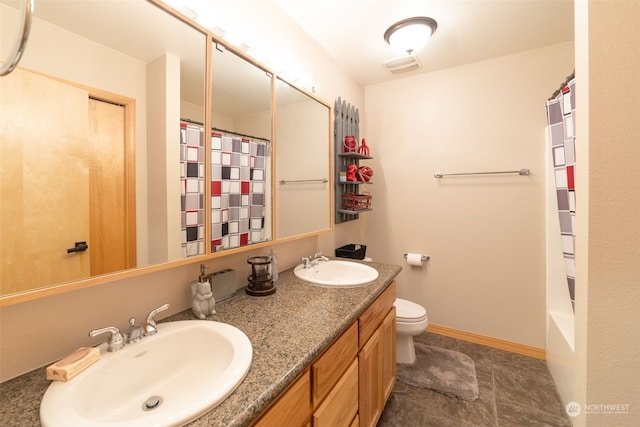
(407, 311)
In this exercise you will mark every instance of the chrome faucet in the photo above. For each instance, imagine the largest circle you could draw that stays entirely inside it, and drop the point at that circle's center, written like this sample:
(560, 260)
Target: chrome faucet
(135, 334)
(310, 261)
(151, 327)
(115, 341)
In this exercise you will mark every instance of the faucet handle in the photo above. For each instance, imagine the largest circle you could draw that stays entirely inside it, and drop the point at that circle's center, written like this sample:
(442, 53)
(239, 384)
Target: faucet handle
(115, 341)
(319, 257)
(151, 327)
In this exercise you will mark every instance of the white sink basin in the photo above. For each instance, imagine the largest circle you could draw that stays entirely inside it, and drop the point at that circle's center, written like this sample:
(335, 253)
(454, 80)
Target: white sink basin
(192, 365)
(337, 273)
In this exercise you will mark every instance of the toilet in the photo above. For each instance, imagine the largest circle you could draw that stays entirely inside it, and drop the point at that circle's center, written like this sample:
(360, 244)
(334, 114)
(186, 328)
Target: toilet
(411, 320)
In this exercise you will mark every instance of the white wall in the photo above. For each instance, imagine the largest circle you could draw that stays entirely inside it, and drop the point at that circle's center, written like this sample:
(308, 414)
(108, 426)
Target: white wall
(485, 234)
(608, 212)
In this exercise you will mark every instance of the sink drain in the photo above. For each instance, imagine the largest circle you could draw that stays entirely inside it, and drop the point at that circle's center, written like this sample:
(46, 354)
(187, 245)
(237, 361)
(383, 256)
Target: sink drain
(152, 403)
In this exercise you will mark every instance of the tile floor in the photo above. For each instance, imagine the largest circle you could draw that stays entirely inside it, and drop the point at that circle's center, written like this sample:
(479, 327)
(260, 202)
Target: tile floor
(515, 391)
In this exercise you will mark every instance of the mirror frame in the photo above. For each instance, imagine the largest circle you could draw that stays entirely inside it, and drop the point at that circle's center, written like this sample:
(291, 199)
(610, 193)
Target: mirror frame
(51, 290)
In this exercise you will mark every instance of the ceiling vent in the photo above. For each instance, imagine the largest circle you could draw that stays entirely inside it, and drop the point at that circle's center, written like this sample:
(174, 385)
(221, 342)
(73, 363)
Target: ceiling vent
(403, 64)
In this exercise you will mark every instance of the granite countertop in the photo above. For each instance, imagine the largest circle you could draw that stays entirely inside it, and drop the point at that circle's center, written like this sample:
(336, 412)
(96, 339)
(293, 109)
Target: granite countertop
(288, 330)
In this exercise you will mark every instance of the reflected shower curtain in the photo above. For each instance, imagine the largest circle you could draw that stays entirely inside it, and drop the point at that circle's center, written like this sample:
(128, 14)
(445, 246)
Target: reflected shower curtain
(561, 120)
(192, 188)
(238, 190)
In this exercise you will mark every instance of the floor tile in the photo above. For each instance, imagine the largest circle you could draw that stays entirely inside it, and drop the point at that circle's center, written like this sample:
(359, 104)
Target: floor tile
(515, 390)
(512, 414)
(529, 390)
(520, 362)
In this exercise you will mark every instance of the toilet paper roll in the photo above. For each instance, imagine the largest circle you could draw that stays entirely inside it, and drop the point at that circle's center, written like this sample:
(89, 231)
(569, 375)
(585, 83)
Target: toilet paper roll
(414, 259)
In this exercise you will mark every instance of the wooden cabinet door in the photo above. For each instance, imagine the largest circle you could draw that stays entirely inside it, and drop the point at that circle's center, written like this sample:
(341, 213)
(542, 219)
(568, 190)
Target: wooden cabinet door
(377, 361)
(370, 373)
(388, 337)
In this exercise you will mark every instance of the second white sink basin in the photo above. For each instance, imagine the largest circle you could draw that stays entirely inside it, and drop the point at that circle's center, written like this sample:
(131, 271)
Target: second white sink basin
(337, 273)
(183, 371)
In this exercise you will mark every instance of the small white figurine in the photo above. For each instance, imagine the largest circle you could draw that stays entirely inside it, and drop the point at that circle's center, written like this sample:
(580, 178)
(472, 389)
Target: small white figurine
(202, 302)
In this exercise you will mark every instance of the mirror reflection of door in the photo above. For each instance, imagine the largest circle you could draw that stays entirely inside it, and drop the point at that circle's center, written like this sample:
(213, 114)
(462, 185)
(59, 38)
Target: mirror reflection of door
(57, 184)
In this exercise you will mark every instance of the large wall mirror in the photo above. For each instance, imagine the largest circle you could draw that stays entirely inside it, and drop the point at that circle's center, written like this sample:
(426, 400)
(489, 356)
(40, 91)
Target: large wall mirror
(241, 147)
(104, 146)
(303, 159)
(90, 122)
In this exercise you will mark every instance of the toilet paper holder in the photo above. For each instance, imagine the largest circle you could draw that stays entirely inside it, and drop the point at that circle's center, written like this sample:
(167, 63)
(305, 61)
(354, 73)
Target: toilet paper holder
(424, 257)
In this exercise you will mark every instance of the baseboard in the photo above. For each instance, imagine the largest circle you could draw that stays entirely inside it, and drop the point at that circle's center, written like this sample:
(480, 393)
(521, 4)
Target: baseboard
(513, 347)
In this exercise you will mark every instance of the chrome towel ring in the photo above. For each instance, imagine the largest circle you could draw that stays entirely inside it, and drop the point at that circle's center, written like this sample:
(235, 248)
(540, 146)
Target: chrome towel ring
(7, 66)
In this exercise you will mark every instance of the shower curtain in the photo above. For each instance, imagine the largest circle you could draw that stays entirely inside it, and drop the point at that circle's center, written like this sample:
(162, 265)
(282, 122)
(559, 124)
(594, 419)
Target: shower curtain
(561, 118)
(192, 188)
(238, 190)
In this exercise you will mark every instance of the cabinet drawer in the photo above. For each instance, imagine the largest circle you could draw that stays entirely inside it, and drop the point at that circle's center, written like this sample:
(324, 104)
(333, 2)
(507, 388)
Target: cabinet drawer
(328, 369)
(293, 408)
(341, 405)
(373, 316)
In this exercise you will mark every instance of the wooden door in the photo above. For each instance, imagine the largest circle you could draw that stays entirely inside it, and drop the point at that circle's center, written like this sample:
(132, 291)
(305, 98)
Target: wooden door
(107, 187)
(44, 181)
(66, 176)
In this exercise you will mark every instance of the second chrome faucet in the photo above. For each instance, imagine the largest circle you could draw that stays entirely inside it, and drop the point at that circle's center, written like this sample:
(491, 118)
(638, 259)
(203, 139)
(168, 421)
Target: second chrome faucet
(311, 261)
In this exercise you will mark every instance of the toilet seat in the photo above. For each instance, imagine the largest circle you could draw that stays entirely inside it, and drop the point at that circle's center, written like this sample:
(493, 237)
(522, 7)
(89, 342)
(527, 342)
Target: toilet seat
(409, 312)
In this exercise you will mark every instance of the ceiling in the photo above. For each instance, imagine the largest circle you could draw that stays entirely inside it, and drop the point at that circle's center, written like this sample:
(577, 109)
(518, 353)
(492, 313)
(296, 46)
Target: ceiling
(350, 30)
(468, 30)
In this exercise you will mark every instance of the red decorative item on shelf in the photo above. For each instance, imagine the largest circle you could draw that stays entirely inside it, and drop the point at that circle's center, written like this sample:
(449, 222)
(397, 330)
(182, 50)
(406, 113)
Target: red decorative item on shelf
(365, 173)
(364, 148)
(350, 144)
(356, 202)
(352, 170)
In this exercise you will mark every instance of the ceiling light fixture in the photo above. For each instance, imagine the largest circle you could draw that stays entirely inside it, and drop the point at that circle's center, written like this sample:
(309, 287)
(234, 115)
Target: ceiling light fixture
(411, 34)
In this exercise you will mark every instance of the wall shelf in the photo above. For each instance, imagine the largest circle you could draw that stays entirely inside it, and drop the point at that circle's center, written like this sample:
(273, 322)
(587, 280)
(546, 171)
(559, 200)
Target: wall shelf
(357, 156)
(348, 212)
(342, 187)
(347, 123)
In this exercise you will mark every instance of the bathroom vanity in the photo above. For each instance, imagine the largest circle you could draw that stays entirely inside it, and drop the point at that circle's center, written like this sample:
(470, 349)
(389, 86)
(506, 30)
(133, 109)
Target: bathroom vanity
(349, 384)
(314, 348)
